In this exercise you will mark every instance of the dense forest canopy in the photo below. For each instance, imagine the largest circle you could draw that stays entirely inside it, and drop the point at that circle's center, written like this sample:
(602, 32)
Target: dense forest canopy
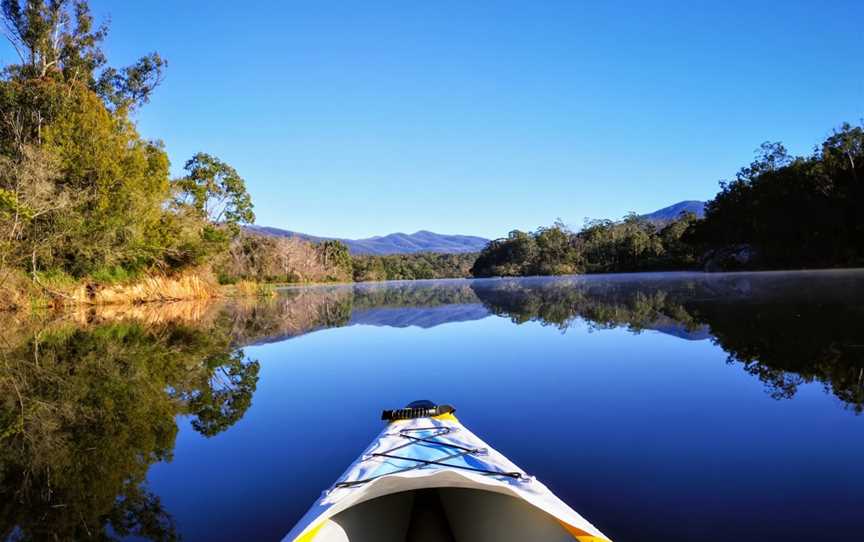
(416, 266)
(794, 211)
(602, 246)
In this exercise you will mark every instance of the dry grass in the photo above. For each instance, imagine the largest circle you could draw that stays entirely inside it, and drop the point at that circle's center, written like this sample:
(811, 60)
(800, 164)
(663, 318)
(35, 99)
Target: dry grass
(149, 290)
(248, 288)
(19, 293)
(15, 290)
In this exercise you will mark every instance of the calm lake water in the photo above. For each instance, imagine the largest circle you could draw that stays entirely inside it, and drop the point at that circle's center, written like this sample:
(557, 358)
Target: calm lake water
(673, 407)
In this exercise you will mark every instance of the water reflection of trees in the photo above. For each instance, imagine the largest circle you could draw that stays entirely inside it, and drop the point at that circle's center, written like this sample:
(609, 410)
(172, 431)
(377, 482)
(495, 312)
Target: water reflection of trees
(86, 409)
(784, 329)
(561, 302)
(89, 400)
(407, 294)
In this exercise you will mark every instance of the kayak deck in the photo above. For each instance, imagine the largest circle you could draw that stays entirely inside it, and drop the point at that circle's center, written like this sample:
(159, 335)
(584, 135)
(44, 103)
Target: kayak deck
(431, 479)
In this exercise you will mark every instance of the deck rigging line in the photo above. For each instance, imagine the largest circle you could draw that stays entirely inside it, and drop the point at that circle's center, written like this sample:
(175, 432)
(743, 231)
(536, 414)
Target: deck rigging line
(461, 451)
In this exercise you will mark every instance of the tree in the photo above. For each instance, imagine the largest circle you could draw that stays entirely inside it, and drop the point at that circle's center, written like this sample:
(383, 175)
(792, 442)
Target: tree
(602, 246)
(680, 254)
(101, 188)
(640, 243)
(334, 254)
(557, 251)
(793, 212)
(368, 268)
(132, 86)
(215, 191)
(58, 39)
(125, 177)
(81, 190)
(30, 199)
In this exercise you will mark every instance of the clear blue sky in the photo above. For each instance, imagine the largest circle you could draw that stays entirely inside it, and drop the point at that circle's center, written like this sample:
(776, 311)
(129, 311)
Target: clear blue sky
(360, 118)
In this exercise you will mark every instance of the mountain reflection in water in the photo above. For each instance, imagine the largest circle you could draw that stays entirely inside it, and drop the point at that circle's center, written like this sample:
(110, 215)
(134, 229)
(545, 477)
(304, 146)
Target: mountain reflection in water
(90, 400)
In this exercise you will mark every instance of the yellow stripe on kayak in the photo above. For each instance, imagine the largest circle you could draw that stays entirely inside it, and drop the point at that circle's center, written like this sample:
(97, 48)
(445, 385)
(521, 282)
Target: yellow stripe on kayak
(310, 535)
(581, 535)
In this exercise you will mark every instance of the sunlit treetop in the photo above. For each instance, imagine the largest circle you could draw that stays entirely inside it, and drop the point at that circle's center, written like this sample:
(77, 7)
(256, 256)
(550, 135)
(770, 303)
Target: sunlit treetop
(60, 39)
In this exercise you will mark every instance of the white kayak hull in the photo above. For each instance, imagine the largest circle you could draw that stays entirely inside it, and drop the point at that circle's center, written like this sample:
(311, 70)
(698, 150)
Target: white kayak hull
(433, 479)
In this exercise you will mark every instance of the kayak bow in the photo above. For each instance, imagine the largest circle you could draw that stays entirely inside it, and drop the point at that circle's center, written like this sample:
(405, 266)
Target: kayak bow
(426, 477)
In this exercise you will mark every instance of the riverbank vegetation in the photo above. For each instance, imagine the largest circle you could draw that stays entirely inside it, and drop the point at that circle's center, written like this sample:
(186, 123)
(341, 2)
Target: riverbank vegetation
(418, 266)
(602, 246)
(262, 258)
(794, 211)
(779, 212)
(85, 201)
(89, 212)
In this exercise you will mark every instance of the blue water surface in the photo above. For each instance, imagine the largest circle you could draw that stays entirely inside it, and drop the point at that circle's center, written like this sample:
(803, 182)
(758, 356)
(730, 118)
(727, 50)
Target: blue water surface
(660, 407)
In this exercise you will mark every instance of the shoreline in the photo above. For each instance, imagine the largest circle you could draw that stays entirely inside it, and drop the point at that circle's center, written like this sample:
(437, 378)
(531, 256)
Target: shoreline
(26, 296)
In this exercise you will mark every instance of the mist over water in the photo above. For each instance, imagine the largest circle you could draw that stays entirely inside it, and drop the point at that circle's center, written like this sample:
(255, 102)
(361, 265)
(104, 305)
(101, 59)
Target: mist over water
(659, 406)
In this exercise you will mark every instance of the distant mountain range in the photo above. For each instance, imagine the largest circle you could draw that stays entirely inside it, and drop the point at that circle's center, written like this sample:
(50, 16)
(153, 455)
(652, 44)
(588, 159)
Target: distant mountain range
(395, 243)
(668, 214)
(427, 241)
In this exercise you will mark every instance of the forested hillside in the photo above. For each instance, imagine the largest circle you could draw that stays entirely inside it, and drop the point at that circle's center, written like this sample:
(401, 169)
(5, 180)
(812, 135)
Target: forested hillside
(779, 212)
(793, 211)
(602, 246)
(423, 265)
